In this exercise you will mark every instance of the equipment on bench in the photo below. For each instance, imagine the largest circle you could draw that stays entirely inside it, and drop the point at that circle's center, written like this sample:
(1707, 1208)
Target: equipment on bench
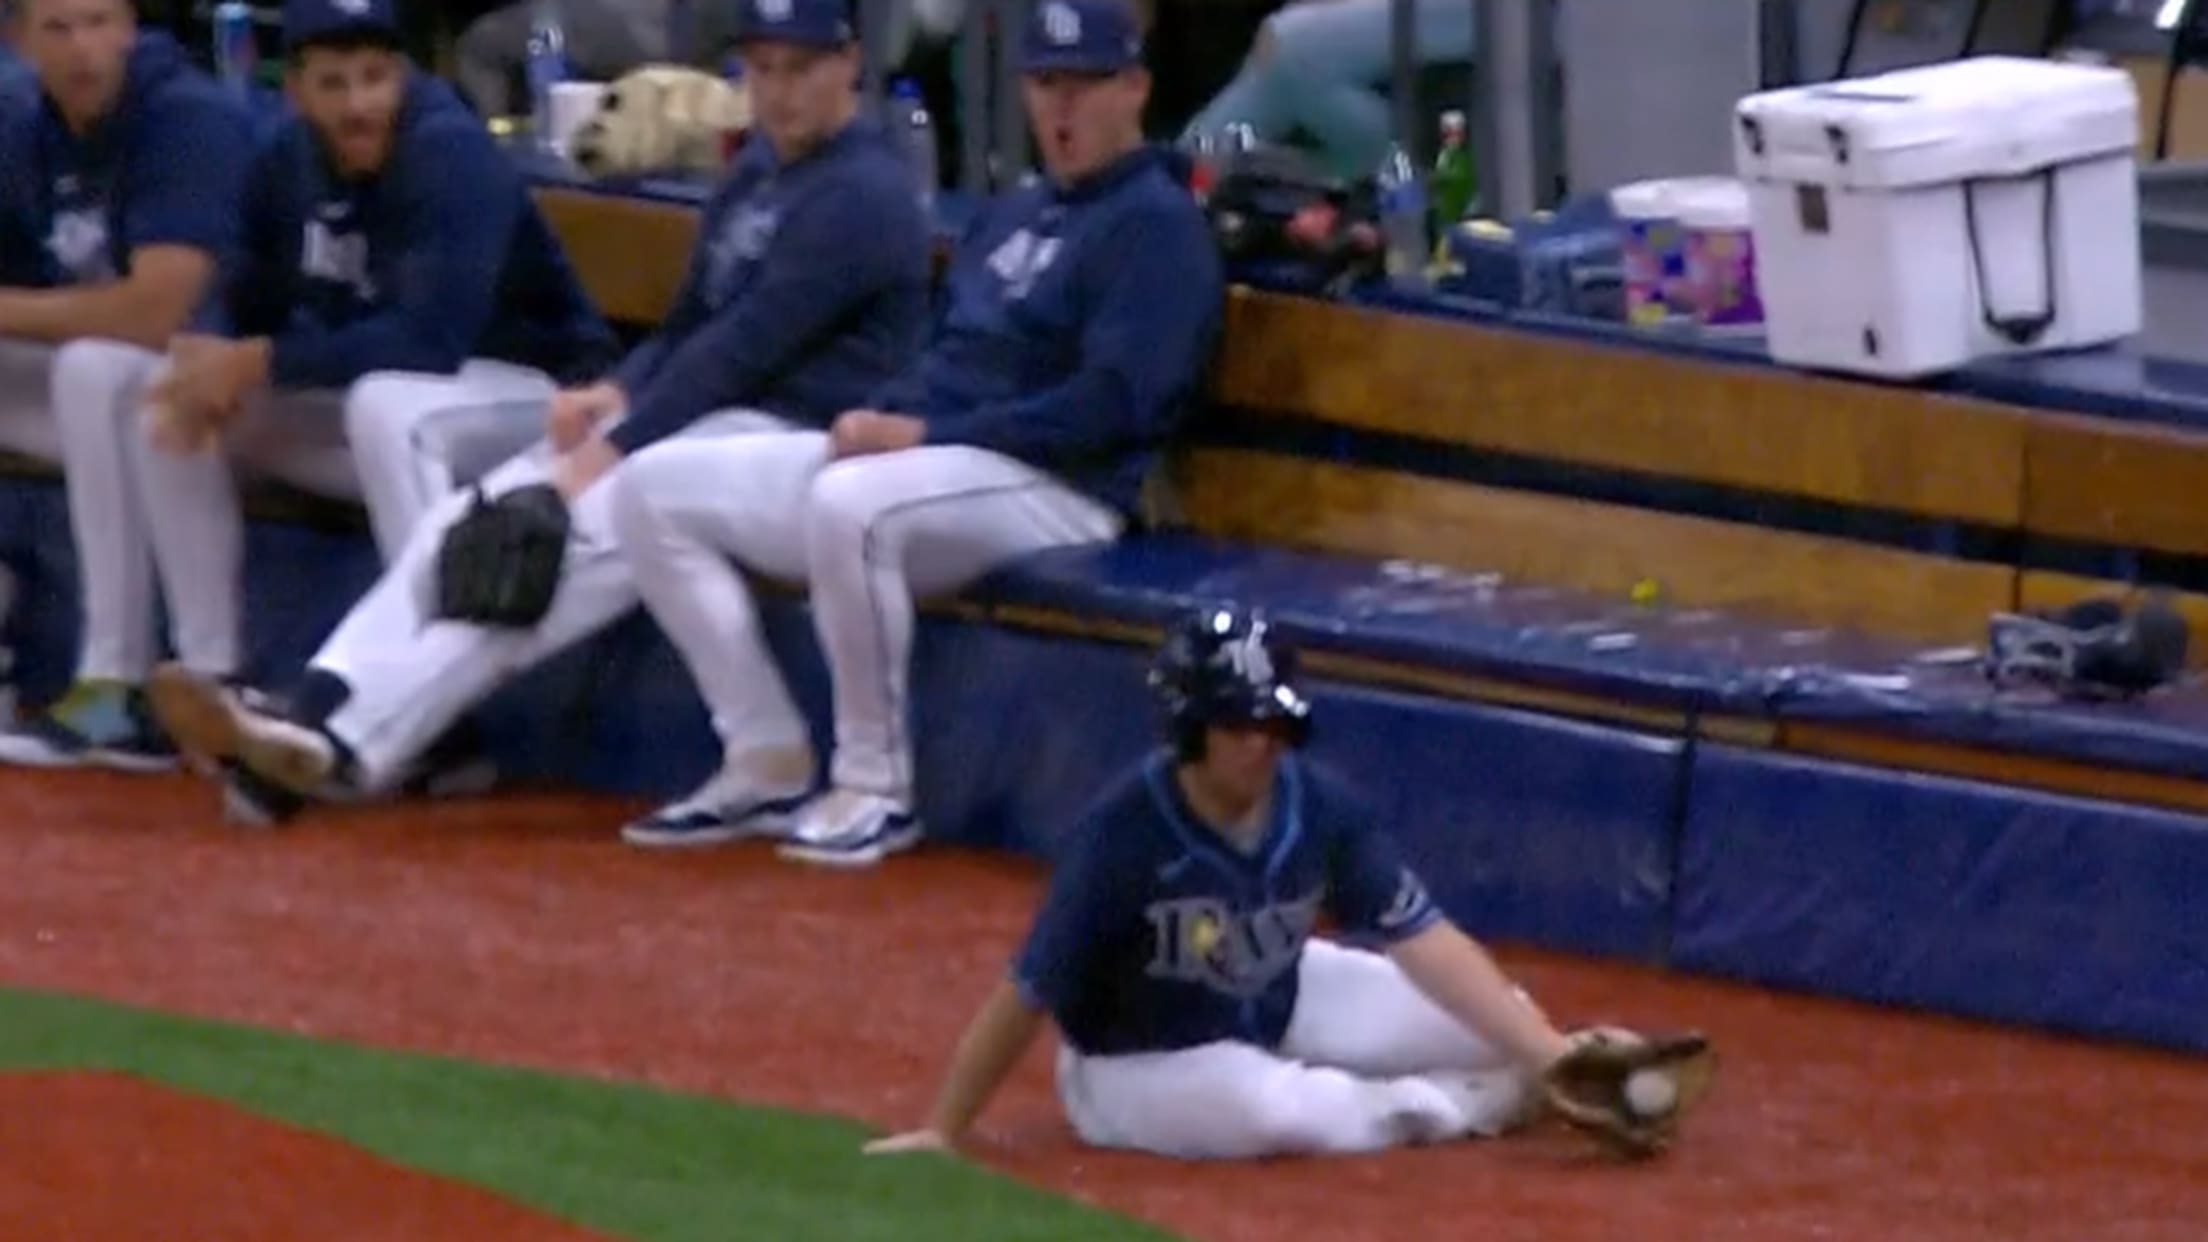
(2096, 649)
(1271, 207)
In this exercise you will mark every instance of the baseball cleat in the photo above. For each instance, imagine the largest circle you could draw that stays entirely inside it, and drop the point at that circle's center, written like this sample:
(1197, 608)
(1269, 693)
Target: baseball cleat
(845, 828)
(252, 801)
(729, 807)
(97, 724)
(212, 723)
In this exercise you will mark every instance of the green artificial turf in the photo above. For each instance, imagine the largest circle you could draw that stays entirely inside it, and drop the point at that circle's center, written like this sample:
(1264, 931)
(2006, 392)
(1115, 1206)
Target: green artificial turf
(631, 1161)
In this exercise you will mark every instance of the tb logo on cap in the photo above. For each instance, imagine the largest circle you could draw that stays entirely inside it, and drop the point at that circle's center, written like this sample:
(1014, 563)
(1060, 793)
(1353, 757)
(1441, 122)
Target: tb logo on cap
(352, 8)
(774, 10)
(1061, 25)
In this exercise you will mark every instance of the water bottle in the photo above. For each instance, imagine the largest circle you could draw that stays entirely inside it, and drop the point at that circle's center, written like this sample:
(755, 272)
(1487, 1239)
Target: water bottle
(916, 129)
(1403, 220)
(235, 48)
(546, 67)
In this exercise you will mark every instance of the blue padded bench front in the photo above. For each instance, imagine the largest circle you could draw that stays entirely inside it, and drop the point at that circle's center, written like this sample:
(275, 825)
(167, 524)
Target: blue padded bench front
(1686, 660)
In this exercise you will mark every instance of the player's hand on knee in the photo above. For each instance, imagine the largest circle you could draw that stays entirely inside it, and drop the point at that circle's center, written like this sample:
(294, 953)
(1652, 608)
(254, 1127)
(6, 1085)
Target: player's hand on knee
(856, 433)
(576, 412)
(909, 1141)
(174, 432)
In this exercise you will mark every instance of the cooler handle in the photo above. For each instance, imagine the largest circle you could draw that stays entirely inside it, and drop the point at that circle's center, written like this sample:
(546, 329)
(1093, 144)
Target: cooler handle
(2017, 329)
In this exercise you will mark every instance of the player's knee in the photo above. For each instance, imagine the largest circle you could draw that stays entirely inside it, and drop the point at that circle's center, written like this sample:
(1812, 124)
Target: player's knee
(380, 411)
(1280, 1122)
(90, 367)
(635, 507)
(843, 502)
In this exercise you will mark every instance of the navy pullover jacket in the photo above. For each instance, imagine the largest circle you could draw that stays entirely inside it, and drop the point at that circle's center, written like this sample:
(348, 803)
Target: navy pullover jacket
(808, 288)
(1077, 323)
(165, 168)
(438, 258)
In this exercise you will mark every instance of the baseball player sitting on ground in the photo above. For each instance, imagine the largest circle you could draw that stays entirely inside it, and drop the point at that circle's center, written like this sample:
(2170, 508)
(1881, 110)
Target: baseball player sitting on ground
(1200, 1018)
(391, 326)
(1077, 316)
(119, 193)
(807, 289)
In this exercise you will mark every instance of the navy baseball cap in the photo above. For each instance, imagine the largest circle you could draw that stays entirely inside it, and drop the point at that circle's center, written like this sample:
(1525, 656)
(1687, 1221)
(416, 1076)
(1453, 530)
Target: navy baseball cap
(1081, 36)
(806, 23)
(306, 21)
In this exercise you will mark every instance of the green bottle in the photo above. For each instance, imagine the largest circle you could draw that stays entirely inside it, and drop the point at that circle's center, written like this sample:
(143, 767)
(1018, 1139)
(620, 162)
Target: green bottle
(1455, 184)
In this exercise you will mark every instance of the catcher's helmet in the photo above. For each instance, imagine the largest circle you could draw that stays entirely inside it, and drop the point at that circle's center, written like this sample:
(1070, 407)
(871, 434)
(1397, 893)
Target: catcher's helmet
(1222, 665)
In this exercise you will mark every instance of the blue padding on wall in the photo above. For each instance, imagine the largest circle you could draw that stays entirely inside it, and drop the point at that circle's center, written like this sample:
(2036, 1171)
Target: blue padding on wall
(1528, 827)
(1956, 896)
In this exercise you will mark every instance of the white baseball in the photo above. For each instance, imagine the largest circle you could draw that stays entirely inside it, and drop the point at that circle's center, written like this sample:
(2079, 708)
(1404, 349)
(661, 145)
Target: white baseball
(1651, 1093)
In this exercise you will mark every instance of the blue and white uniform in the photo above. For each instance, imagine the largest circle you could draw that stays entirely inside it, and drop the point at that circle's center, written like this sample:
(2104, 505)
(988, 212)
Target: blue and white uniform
(1073, 327)
(1200, 1017)
(807, 287)
(417, 319)
(164, 169)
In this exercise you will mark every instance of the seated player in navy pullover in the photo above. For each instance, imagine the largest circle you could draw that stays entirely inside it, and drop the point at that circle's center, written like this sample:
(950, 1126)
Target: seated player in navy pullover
(120, 174)
(399, 287)
(808, 288)
(1078, 316)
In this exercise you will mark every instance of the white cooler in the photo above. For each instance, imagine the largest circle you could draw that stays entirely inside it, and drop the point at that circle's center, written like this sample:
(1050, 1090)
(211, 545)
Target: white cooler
(1910, 222)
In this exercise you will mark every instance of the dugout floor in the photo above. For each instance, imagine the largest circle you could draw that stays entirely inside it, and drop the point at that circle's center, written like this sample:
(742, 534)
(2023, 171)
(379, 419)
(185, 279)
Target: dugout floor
(519, 930)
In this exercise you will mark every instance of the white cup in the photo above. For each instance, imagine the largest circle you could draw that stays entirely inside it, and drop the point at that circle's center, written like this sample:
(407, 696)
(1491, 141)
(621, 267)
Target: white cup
(572, 104)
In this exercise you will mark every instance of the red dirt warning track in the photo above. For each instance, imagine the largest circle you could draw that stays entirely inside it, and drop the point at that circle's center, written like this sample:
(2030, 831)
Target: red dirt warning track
(519, 930)
(106, 1158)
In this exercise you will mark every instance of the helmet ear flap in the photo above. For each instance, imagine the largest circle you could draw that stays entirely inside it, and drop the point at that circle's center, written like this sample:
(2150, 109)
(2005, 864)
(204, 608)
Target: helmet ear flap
(1188, 740)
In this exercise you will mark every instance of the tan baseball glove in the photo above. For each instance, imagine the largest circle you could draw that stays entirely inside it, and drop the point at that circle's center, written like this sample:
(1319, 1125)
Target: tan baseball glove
(1629, 1090)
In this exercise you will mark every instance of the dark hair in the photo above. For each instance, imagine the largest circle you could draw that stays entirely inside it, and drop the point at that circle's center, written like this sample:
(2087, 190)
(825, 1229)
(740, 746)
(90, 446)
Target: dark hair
(348, 39)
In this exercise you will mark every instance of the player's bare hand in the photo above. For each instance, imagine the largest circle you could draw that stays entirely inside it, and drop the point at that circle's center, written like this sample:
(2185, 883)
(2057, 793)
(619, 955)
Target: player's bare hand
(857, 433)
(576, 472)
(174, 432)
(576, 412)
(207, 380)
(909, 1141)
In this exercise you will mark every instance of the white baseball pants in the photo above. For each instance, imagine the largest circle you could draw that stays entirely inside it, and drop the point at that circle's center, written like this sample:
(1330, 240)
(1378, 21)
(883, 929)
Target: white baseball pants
(682, 510)
(866, 534)
(884, 530)
(80, 390)
(1368, 1063)
(412, 675)
(398, 441)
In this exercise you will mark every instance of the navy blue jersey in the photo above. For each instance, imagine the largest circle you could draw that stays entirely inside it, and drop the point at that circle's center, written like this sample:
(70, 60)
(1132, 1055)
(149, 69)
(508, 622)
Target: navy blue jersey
(808, 287)
(1076, 324)
(18, 88)
(439, 258)
(166, 168)
(1159, 934)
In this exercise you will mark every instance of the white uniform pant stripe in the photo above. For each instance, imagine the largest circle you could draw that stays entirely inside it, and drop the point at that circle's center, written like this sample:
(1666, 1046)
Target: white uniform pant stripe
(885, 530)
(682, 510)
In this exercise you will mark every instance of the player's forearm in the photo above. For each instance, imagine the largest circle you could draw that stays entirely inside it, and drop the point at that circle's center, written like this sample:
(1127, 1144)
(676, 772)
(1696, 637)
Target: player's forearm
(1459, 976)
(110, 311)
(994, 1042)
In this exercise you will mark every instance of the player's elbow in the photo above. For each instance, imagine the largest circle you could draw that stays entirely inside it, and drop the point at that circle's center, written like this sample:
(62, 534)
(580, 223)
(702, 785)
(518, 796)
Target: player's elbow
(427, 348)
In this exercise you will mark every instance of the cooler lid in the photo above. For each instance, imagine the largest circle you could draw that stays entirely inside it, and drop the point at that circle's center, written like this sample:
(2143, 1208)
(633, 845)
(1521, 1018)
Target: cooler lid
(1986, 116)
